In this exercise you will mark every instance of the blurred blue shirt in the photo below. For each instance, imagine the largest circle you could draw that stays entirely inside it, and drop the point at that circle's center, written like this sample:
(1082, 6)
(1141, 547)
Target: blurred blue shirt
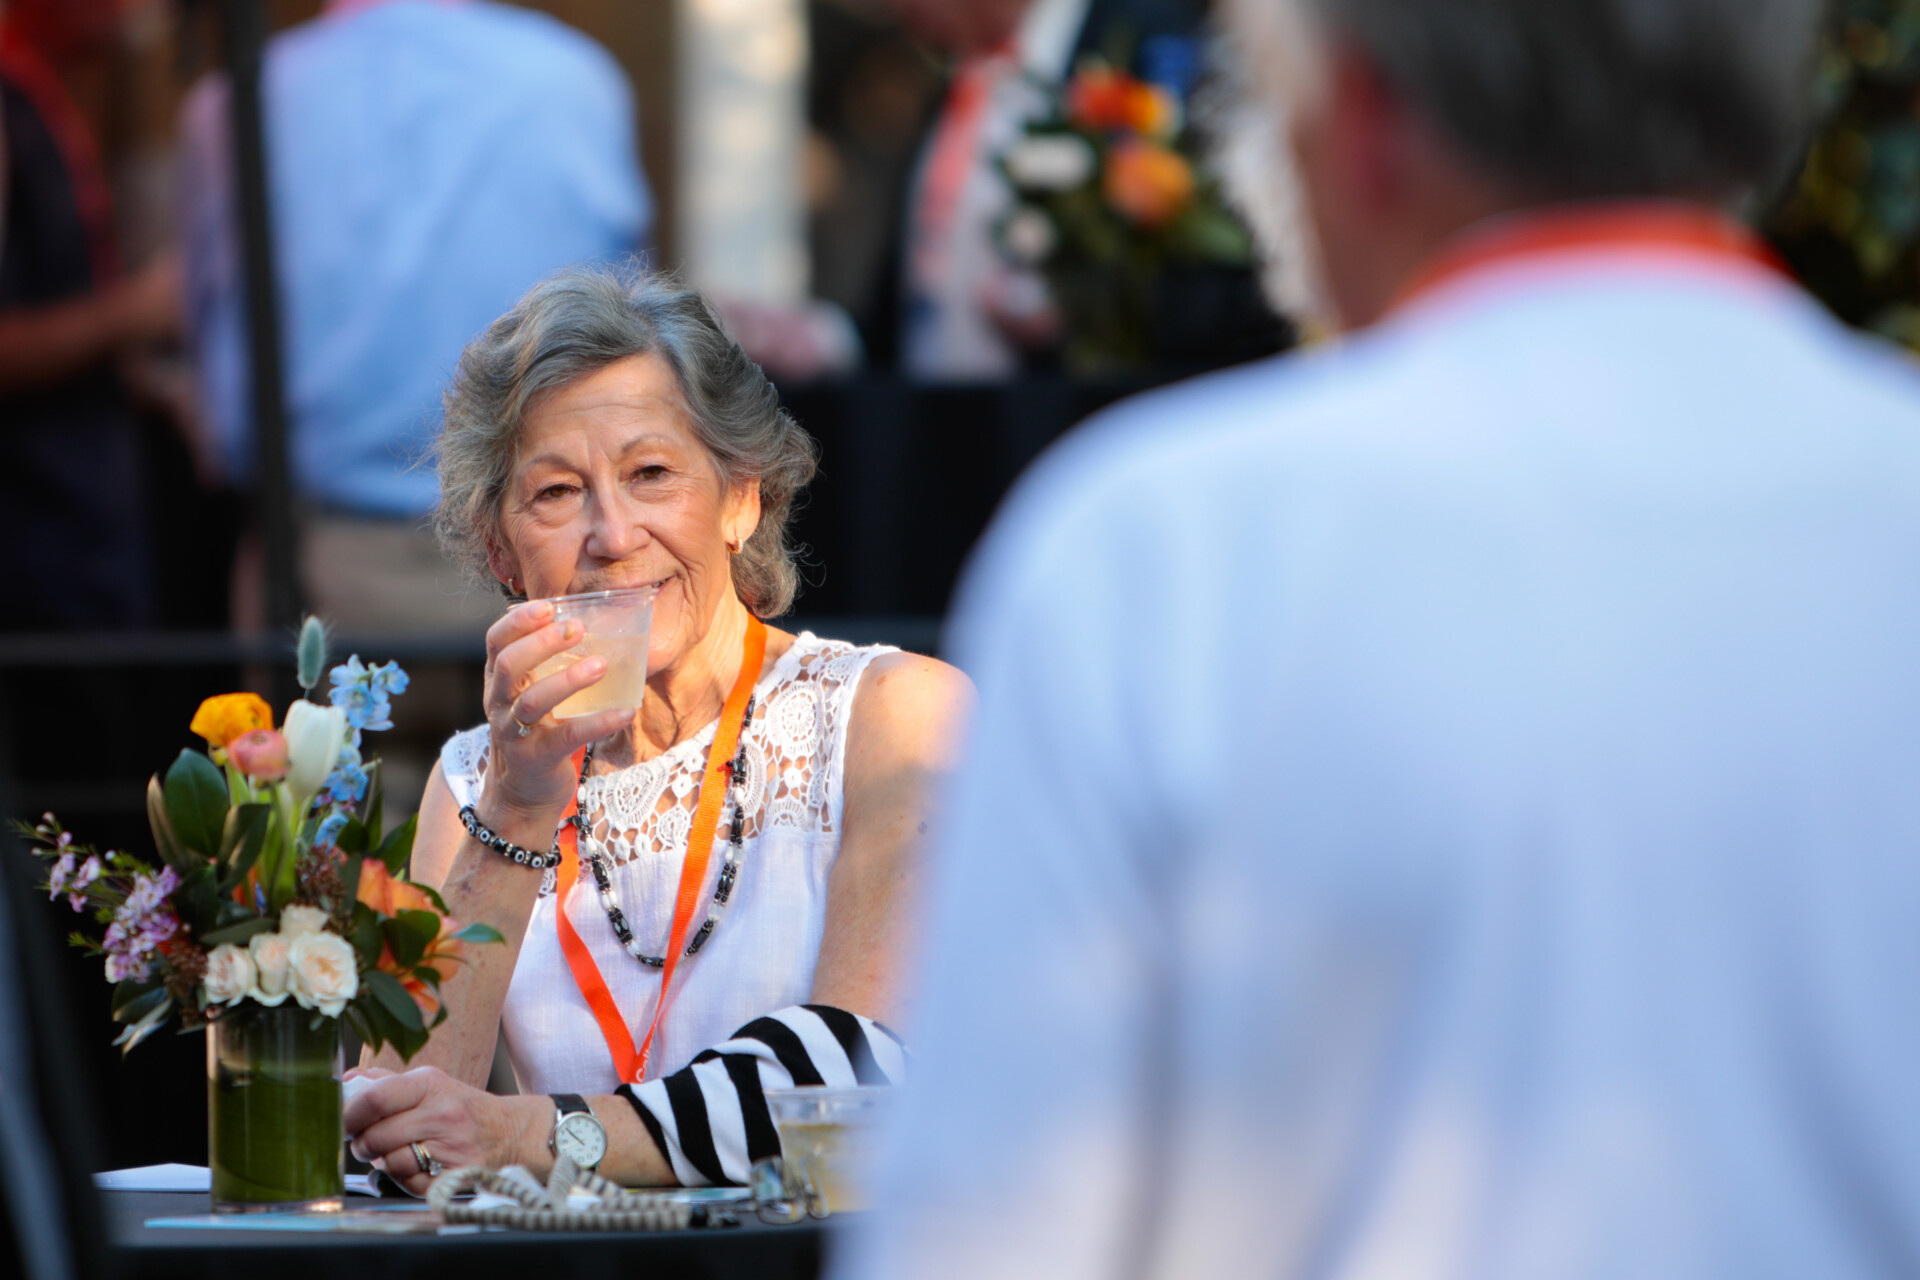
(428, 162)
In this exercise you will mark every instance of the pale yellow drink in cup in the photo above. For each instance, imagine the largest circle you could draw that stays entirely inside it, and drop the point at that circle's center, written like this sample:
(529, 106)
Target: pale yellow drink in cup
(615, 625)
(829, 1139)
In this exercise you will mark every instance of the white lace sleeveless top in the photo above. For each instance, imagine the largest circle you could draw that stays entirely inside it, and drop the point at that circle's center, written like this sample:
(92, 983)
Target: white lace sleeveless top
(761, 955)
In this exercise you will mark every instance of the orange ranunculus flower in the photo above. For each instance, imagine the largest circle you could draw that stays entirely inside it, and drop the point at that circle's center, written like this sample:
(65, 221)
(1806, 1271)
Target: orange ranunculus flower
(1149, 184)
(1151, 110)
(1097, 99)
(222, 719)
(389, 895)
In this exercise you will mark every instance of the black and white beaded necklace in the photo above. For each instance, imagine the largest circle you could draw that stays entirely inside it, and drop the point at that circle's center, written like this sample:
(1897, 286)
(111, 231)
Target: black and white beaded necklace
(722, 890)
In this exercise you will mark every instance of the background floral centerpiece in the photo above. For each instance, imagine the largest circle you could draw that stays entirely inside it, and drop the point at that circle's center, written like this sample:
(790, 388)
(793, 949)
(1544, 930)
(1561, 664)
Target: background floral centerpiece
(278, 905)
(1112, 197)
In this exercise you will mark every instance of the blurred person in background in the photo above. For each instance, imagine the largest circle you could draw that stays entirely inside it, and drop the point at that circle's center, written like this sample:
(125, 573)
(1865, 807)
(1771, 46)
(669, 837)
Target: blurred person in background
(1444, 805)
(946, 303)
(70, 316)
(427, 162)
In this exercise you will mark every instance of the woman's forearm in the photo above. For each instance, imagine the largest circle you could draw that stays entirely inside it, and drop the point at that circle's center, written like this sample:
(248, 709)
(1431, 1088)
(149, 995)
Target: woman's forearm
(481, 887)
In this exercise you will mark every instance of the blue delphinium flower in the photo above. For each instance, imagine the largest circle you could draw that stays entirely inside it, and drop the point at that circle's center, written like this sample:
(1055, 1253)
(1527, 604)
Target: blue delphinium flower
(365, 694)
(347, 784)
(330, 829)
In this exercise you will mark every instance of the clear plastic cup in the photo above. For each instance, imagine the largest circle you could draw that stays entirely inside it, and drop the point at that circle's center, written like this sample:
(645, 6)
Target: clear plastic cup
(829, 1139)
(615, 626)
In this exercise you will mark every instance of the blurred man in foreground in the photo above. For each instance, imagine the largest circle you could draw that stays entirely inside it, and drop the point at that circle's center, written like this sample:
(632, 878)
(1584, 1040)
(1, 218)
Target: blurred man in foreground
(1445, 806)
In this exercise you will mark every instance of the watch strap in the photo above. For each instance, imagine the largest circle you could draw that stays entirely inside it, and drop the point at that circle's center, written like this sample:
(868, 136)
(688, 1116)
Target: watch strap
(568, 1103)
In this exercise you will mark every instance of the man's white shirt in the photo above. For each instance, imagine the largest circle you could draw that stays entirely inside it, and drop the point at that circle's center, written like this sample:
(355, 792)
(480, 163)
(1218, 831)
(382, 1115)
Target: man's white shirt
(1444, 806)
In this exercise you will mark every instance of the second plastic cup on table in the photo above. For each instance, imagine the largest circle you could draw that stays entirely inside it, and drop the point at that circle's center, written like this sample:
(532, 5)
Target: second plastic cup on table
(616, 624)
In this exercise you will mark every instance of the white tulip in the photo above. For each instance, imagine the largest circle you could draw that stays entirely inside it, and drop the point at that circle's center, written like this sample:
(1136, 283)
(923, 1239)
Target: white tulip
(269, 954)
(325, 974)
(229, 974)
(314, 737)
(1051, 162)
(297, 922)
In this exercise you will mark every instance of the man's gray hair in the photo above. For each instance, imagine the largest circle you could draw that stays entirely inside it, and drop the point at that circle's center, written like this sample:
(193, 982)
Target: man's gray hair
(1584, 98)
(581, 320)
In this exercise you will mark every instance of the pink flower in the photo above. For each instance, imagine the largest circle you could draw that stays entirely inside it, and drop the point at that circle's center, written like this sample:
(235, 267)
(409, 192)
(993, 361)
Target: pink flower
(261, 755)
(149, 894)
(76, 888)
(57, 878)
(122, 968)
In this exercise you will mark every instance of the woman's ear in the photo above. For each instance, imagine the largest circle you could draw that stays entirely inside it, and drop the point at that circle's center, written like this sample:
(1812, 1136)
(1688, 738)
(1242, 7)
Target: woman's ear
(742, 515)
(506, 567)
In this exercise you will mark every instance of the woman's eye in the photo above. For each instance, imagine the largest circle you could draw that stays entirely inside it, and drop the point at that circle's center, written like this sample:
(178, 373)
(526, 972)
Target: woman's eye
(552, 492)
(653, 472)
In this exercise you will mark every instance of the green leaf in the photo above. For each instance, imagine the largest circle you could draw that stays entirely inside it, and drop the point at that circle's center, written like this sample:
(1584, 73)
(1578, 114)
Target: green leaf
(125, 993)
(376, 790)
(236, 933)
(409, 934)
(196, 900)
(429, 975)
(196, 796)
(433, 895)
(352, 838)
(397, 849)
(394, 1000)
(240, 841)
(477, 933)
(140, 1006)
(365, 935)
(165, 842)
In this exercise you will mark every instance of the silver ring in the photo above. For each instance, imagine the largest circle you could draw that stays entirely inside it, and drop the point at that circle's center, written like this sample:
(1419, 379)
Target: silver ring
(424, 1159)
(524, 727)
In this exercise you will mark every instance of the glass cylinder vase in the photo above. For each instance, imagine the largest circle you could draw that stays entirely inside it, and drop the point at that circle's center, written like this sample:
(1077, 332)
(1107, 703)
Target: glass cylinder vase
(274, 1138)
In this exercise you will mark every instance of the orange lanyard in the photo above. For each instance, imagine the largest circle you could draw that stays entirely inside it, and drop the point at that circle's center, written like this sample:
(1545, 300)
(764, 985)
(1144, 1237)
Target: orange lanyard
(629, 1062)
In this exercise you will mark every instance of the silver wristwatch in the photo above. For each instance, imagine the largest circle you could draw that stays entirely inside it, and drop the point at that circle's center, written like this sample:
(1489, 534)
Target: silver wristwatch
(577, 1132)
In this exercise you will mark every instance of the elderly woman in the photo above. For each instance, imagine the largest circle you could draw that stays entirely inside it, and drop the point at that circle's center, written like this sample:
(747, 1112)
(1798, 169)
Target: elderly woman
(732, 915)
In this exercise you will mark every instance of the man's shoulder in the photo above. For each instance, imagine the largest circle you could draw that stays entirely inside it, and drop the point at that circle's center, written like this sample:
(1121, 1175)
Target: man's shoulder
(529, 42)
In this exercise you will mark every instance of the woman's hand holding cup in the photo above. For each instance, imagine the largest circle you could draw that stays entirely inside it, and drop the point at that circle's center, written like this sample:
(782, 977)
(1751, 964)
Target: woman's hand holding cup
(530, 773)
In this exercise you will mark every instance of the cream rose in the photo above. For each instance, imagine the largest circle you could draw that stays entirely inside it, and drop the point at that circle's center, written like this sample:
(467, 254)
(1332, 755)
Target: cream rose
(297, 922)
(325, 975)
(268, 952)
(229, 974)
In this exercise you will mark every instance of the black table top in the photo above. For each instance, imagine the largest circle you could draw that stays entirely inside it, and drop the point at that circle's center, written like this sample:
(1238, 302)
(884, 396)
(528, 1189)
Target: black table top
(751, 1249)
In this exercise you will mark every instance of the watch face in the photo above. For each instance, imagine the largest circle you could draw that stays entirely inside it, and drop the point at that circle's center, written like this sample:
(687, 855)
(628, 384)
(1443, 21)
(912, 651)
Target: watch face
(580, 1136)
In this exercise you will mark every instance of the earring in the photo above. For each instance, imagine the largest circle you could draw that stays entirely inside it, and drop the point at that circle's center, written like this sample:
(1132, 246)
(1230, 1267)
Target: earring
(733, 547)
(513, 588)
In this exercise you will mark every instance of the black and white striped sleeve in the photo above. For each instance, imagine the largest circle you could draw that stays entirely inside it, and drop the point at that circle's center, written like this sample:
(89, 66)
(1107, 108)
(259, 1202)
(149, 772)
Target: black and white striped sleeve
(710, 1118)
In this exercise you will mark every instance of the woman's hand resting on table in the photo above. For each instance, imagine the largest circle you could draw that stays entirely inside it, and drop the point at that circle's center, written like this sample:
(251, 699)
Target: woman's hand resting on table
(458, 1124)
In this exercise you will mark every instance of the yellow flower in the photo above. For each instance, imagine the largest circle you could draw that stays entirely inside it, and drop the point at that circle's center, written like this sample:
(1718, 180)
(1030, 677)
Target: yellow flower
(222, 719)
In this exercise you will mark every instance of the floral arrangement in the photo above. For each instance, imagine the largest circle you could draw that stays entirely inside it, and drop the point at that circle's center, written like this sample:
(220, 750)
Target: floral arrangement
(276, 881)
(1111, 195)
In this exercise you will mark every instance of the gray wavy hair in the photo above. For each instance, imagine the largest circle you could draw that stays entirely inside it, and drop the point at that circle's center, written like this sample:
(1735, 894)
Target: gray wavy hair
(578, 321)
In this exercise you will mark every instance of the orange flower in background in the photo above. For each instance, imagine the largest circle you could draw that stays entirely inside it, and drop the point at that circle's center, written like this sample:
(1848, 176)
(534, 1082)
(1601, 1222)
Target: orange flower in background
(1097, 98)
(1152, 110)
(1149, 184)
(389, 895)
(1100, 99)
(223, 718)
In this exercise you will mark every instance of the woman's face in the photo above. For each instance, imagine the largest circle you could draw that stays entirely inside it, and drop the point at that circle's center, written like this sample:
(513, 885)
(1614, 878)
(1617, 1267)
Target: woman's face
(614, 489)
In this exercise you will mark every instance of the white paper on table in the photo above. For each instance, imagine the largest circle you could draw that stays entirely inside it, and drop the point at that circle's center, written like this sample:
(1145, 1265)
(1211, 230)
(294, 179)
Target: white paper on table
(157, 1177)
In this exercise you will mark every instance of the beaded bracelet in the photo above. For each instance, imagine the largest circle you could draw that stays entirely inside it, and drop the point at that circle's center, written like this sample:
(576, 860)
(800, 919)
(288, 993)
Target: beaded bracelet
(506, 849)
